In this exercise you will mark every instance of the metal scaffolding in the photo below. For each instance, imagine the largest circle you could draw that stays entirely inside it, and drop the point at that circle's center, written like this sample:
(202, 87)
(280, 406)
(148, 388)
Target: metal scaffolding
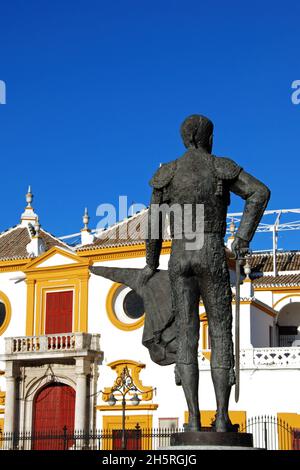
(274, 226)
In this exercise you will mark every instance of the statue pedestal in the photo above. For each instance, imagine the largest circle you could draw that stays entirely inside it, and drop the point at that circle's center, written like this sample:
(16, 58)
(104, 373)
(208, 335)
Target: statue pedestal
(211, 441)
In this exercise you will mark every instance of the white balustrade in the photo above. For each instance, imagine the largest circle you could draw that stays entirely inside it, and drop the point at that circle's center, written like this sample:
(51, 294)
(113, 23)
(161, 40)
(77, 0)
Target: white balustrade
(62, 342)
(254, 358)
(287, 356)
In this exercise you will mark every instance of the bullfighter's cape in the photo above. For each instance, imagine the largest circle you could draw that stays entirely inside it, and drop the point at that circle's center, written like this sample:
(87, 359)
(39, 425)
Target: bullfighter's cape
(159, 334)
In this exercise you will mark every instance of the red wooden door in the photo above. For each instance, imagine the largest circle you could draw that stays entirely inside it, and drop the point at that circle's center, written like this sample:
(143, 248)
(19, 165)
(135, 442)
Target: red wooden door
(132, 439)
(54, 411)
(59, 309)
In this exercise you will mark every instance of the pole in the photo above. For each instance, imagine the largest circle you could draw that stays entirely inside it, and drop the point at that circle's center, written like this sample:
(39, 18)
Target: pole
(123, 423)
(237, 329)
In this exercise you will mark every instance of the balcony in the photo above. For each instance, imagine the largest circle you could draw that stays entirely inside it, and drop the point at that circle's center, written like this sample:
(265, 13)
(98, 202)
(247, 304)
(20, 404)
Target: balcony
(61, 345)
(262, 358)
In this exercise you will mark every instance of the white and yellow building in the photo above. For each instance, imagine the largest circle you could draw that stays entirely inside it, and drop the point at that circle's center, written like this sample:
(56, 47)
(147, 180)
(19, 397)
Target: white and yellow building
(66, 334)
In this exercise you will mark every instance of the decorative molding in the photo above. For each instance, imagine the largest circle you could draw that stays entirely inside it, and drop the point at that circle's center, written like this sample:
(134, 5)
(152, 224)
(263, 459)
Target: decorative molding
(121, 252)
(275, 289)
(143, 407)
(134, 370)
(39, 281)
(13, 265)
(285, 297)
(2, 398)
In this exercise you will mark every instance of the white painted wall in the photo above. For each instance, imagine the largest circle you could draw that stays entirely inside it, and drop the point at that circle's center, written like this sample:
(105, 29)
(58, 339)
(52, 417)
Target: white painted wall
(264, 296)
(260, 323)
(56, 260)
(16, 294)
(262, 391)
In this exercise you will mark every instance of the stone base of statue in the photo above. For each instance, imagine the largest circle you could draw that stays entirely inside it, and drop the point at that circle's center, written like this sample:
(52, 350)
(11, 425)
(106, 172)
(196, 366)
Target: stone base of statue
(211, 441)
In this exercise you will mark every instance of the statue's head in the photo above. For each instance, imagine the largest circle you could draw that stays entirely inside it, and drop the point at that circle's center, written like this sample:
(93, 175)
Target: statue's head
(197, 131)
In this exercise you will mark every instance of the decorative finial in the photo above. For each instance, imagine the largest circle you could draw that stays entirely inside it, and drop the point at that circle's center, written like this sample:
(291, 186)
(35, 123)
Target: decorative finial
(247, 267)
(232, 227)
(86, 219)
(37, 227)
(29, 197)
(28, 216)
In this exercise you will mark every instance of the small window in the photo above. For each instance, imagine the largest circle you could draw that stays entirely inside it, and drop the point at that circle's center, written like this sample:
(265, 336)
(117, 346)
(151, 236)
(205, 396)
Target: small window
(133, 305)
(5, 312)
(125, 307)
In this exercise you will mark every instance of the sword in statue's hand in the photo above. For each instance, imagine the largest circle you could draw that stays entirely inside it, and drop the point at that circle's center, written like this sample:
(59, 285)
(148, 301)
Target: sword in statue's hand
(240, 249)
(238, 264)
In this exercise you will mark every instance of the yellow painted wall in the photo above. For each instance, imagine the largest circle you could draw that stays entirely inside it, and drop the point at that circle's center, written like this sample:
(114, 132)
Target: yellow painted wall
(285, 438)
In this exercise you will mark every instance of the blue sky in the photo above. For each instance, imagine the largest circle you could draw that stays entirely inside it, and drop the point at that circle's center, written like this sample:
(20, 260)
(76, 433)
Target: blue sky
(96, 92)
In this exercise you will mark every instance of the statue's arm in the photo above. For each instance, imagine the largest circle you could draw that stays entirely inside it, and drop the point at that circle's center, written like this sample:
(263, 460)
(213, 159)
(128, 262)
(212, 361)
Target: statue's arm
(256, 196)
(155, 231)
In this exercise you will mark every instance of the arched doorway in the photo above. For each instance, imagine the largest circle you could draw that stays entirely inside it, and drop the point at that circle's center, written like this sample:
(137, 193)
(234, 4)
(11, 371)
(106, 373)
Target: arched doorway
(288, 324)
(53, 417)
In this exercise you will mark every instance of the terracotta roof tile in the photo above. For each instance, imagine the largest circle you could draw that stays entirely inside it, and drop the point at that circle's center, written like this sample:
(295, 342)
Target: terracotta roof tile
(131, 231)
(274, 281)
(286, 261)
(13, 242)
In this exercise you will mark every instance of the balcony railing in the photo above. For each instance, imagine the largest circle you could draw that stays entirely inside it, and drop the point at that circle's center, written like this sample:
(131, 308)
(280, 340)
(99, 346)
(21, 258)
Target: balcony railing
(53, 343)
(288, 357)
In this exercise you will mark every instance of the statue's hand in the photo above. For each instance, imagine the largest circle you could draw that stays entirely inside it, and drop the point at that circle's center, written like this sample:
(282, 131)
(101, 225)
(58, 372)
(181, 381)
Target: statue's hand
(145, 275)
(239, 247)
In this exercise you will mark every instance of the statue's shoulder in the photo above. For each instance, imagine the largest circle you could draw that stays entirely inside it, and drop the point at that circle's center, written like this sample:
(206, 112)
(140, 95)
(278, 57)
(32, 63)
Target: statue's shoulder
(226, 168)
(163, 175)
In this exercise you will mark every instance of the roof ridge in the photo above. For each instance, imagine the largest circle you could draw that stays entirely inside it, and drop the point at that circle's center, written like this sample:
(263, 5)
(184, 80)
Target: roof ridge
(270, 253)
(56, 238)
(11, 229)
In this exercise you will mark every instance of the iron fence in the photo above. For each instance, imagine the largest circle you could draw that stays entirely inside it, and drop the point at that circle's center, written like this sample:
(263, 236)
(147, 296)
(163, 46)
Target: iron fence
(135, 439)
(269, 432)
(272, 433)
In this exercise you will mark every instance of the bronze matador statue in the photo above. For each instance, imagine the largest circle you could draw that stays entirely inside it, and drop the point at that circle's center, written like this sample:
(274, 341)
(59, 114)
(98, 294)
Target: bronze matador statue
(198, 177)
(171, 298)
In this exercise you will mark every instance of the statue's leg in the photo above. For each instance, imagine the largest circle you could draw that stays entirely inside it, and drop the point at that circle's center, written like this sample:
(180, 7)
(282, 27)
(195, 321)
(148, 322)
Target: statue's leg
(185, 298)
(216, 294)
